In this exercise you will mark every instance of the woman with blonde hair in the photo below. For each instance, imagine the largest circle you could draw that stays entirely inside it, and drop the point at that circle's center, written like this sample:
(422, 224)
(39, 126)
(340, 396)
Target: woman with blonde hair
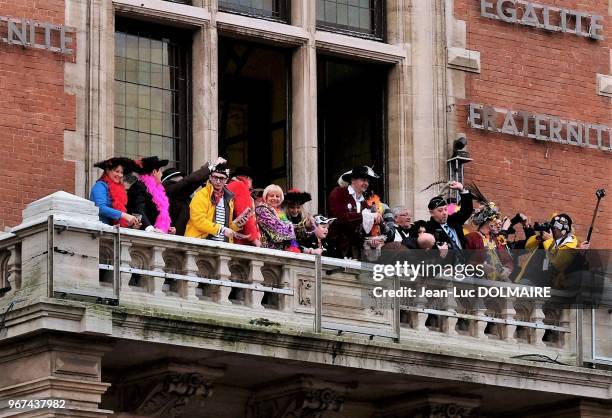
(277, 231)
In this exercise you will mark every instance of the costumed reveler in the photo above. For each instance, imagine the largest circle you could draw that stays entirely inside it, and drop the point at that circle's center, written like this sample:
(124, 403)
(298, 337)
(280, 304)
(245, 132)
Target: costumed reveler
(484, 246)
(109, 195)
(147, 197)
(277, 231)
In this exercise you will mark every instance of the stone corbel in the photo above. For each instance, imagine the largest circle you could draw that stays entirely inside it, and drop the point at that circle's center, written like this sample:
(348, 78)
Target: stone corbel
(431, 405)
(463, 59)
(166, 389)
(604, 85)
(303, 397)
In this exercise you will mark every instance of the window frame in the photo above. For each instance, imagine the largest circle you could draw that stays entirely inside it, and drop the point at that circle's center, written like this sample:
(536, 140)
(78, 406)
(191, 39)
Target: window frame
(382, 169)
(284, 11)
(183, 37)
(378, 34)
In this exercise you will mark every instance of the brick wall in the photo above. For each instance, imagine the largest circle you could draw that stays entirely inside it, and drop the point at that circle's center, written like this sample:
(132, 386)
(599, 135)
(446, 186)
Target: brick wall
(35, 112)
(530, 69)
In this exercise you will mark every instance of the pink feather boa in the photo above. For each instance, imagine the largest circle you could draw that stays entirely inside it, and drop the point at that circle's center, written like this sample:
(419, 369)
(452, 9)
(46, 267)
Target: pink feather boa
(158, 194)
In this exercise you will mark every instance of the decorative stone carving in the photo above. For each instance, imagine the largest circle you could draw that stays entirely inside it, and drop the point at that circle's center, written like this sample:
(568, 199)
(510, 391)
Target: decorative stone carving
(306, 292)
(166, 390)
(170, 396)
(425, 405)
(304, 398)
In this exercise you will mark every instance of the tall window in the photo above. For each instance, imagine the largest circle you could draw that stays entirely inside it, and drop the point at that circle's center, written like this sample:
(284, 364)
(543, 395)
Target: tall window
(269, 9)
(357, 17)
(351, 121)
(151, 92)
(254, 108)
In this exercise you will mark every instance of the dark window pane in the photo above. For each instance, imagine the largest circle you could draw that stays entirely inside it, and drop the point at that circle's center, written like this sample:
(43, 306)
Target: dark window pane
(253, 109)
(151, 74)
(270, 9)
(358, 17)
(351, 121)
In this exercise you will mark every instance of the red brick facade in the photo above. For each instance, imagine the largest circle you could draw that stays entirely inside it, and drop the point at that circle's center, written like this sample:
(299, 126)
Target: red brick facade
(35, 113)
(533, 70)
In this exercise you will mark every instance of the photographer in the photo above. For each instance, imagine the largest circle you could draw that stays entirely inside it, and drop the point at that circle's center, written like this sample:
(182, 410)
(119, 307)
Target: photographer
(555, 237)
(507, 229)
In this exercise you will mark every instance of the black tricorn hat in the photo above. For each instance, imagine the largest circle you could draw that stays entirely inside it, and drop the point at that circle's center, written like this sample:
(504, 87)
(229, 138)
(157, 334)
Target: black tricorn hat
(296, 196)
(243, 171)
(169, 173)
(361, 172)
(148, 164)
(126, 163)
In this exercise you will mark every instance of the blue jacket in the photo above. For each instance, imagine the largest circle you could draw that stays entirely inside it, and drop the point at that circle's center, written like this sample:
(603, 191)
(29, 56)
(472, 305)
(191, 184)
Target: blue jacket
(101, 197)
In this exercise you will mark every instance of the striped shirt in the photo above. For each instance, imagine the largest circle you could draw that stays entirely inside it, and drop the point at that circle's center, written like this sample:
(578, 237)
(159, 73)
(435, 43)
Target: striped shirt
(219, 219)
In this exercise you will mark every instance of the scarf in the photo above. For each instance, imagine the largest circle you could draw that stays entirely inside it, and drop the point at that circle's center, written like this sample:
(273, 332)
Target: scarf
(293, 244)
(118, 197)
(158, 194)
(217, 195)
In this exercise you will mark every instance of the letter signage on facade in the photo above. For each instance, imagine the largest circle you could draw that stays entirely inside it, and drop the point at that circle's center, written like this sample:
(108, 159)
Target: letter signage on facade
(540, 127)
(542, 16)
(33, 34)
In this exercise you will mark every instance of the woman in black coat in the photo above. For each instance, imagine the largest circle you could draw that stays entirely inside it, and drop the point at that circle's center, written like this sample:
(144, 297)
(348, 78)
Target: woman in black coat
(147, 197)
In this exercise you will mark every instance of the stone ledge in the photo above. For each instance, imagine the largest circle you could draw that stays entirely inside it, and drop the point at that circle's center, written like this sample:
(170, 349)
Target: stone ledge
(464, 59)
(604, 85)
(165, 10)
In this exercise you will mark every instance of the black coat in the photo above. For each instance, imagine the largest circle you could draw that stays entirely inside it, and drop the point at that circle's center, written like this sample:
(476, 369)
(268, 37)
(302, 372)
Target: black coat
(179, 194)
(455, 221)
(141, 202)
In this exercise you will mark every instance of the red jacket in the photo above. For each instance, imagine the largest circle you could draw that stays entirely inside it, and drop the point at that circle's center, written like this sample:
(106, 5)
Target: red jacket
(476, 247)
(243, 200)
(344, 232)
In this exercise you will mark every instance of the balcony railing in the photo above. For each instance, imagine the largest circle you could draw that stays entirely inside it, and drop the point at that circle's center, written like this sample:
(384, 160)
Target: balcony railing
(65, 257)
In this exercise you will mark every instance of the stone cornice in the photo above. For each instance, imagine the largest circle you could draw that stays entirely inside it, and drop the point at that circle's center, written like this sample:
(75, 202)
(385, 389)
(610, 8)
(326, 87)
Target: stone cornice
(274, 32)
(408, 358)
(360, 48)
(164, 10)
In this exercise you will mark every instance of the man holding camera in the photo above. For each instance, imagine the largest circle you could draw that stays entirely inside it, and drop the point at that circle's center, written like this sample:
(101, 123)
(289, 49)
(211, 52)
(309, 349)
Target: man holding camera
(555, 238)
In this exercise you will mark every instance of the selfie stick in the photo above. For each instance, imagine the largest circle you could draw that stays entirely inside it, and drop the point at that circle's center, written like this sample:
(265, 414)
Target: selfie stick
(600, 193)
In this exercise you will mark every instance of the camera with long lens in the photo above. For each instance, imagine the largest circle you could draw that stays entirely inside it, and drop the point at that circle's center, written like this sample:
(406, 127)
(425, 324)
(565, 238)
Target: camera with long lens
(542, 226)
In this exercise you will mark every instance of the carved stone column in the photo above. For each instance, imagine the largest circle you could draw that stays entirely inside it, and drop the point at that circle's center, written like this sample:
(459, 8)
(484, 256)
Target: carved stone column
(54, 367)
(157, 265)
(429, 405)
(224, 273)
(299, 398)
(191, 269)
(255, 297)
(163, 390)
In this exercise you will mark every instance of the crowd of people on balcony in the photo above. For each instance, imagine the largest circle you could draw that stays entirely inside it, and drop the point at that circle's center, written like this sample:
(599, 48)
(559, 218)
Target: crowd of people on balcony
(216, 204)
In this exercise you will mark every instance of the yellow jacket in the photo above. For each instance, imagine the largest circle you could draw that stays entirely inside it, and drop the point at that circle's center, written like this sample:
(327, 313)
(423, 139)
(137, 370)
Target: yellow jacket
(559, 258)
(202, 213)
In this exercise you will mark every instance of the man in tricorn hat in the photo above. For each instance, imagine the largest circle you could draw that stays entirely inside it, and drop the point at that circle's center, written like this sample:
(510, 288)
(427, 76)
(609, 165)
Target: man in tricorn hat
(449, 228)
(348, 205)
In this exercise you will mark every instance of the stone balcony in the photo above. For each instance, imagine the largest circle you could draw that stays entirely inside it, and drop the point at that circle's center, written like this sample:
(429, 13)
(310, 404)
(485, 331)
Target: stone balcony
(120, 322)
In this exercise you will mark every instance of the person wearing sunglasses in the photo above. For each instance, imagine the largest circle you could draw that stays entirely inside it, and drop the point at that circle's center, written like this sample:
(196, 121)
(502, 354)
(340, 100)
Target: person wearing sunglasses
(211, 211)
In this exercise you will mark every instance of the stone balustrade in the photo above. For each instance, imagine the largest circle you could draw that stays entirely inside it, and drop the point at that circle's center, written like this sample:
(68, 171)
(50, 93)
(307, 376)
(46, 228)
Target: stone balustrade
(62, 255)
